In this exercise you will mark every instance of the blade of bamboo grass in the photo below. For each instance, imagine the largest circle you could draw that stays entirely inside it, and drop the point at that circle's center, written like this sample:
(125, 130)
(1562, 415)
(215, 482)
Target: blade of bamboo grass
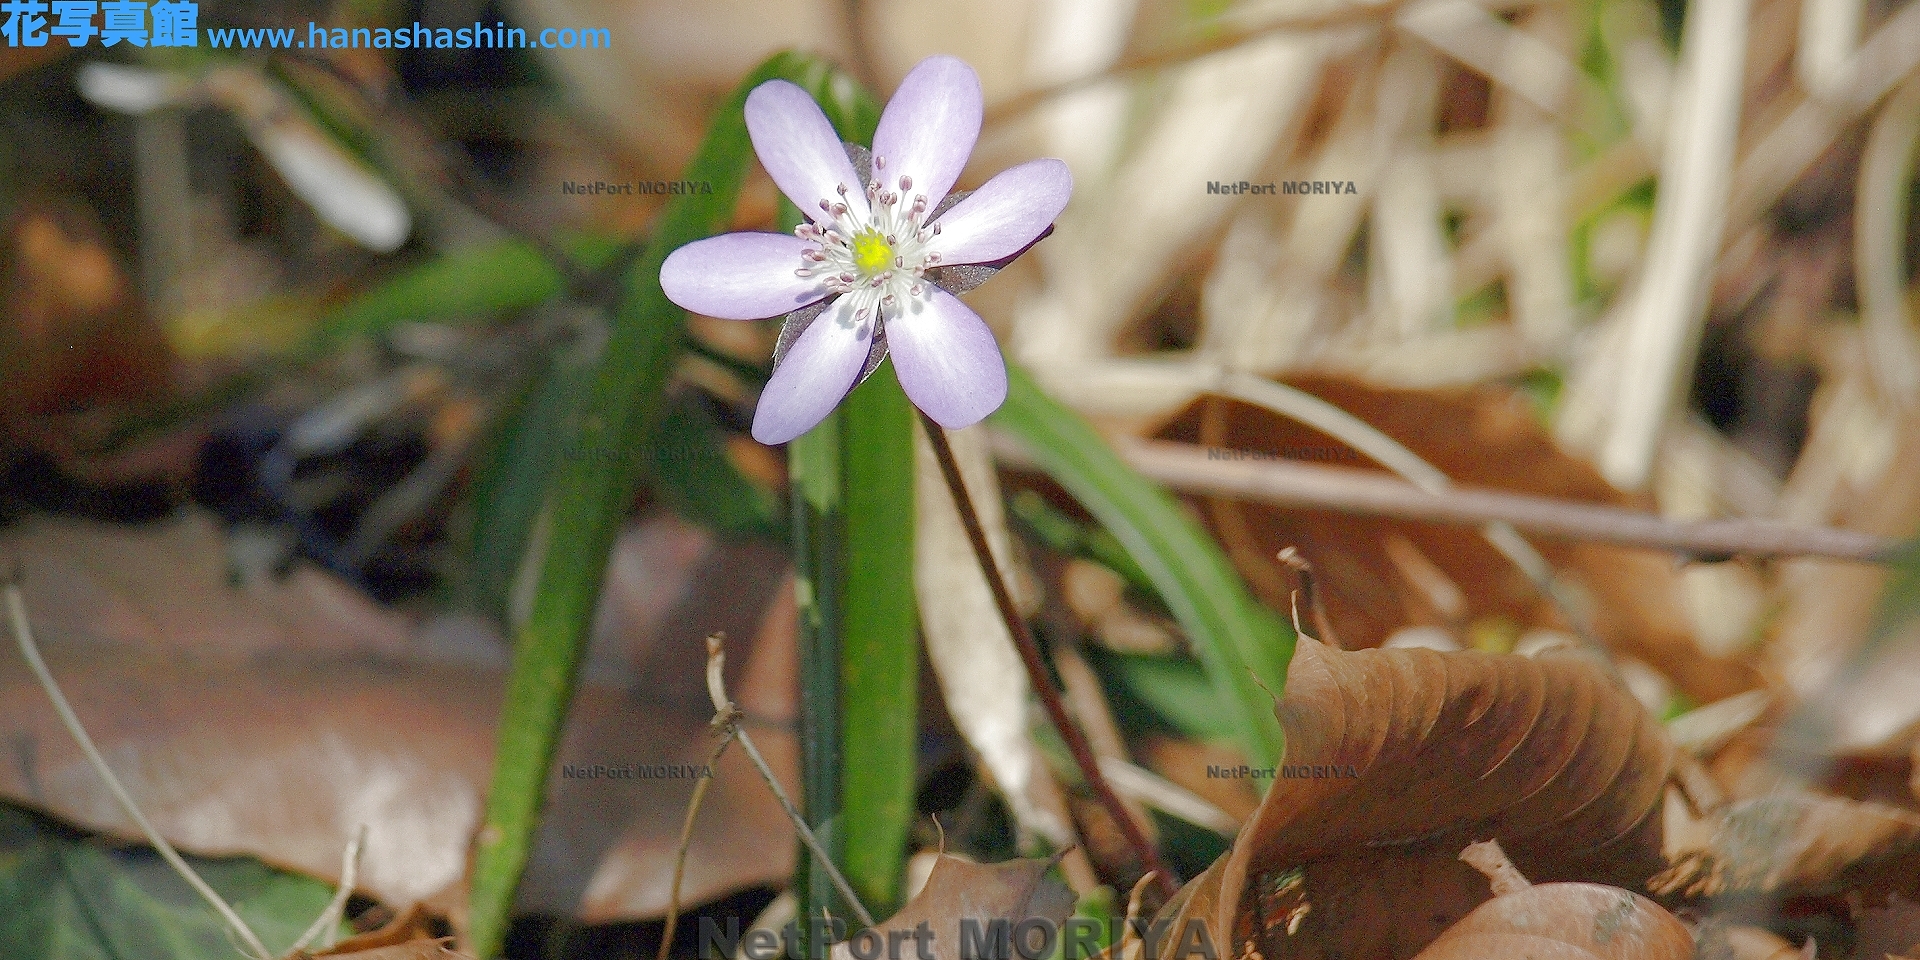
(1243, 646)
(587, 499)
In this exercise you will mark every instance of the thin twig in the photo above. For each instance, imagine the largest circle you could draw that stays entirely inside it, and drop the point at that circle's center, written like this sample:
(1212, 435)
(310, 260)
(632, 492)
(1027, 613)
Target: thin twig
(686, 839)
(327, 924)
(727, 717)
(1083, 756)
(1349, 490)
(23, 634)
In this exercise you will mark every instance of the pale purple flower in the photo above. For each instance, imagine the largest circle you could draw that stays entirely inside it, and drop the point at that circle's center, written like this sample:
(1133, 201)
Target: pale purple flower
(875, 254)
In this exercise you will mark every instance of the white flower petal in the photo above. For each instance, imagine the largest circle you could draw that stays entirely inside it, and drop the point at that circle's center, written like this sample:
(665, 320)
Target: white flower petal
(800, 150)
(1005, 214)
(929, 127)
(815, 375)
(740, 276)
(948, 362)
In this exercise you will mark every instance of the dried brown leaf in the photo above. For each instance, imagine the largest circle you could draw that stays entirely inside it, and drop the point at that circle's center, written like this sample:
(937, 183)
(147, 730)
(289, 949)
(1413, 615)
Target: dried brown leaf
(1559, 921)
(1377, 575)
(1548, 754)
(283, 760)
(1792, 841)
(272, 719)
(166, 587)
(1892, 930)
(957, 891)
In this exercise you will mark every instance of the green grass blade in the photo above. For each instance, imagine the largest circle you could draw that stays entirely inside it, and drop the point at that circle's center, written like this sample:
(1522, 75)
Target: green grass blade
(1242, 645)
(880, 654)
(477, 281)
(586, 501)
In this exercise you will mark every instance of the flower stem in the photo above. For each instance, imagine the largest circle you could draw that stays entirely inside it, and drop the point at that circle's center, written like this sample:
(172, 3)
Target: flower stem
(1023, 641)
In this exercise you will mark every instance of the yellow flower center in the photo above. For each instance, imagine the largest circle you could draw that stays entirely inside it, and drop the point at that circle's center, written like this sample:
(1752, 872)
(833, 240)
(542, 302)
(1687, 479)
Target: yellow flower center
(871, 254)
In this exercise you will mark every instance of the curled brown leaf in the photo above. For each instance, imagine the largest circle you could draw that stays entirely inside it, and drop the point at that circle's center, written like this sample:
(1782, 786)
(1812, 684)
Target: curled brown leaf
(1398, 758)
(1558, 921)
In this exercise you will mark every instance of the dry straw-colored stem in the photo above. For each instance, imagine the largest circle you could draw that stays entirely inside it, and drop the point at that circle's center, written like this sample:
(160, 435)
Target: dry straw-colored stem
(686, 840)
(727, 717)
(1347, 490)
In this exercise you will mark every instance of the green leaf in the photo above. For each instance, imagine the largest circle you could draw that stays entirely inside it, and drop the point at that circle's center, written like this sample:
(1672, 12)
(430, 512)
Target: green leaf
(476, 281)
(700, 483)
(880, 652)
(587, 499)
(66, 897)
(1066, 535)
(510, 480)
(1243, 645)
(1177, 691)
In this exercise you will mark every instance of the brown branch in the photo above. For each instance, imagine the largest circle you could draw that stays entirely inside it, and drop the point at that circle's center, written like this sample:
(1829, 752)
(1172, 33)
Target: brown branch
(1083, 756)
(1347, 490)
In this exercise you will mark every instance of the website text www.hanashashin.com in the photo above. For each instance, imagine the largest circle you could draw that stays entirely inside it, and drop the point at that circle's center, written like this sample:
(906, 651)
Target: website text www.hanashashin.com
(176, 23)
(418, 36)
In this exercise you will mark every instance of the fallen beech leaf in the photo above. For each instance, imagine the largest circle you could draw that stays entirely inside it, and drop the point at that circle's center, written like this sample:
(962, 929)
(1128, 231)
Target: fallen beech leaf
(1892, 930)
(166, 587)
(1380, 575)
(1406, 756)
(284, 759)
(272, 718)
(1802, 842)
(1558, 921)
(959, 891)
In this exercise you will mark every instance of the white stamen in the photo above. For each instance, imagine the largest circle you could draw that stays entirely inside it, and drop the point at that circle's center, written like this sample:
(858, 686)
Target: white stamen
(895, 218)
